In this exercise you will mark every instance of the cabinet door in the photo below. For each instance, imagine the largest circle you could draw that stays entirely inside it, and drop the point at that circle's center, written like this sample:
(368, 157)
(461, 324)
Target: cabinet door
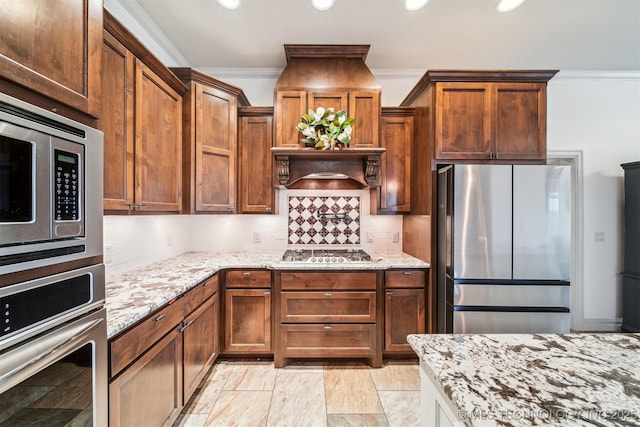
(404, 315)
(519, 121)
(54, 49)
(200, 344)
(364, 106)
(336, 100)
(116, 121)
(289, 107)
(149, 392)
(463, 121)
(395, 188)
(158, 143)
(215, 150)
(247, 325)
(256, 165)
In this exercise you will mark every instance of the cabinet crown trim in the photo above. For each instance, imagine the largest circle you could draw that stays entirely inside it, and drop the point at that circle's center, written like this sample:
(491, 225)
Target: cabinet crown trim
(487, 76)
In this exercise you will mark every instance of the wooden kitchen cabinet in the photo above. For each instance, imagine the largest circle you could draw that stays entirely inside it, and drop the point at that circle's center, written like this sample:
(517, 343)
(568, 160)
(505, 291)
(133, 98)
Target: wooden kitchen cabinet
(54, 51)
(404, 309)
(149, 392)
(247, 312)
(363, 105)
(141, 120)
(396, 136)
(200, 333)
(328, 315)
(210, 142)
(156, 365)
(256, 193)
(490, 121)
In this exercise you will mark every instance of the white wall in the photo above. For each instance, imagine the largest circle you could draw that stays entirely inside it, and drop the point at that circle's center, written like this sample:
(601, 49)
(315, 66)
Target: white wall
(598, 113)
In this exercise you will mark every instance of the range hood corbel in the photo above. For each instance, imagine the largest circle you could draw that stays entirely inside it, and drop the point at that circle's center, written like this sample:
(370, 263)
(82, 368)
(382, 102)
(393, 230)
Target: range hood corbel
(361, 165)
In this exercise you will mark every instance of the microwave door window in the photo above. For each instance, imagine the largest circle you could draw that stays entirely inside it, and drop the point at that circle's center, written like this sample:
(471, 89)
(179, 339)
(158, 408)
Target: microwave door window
(16, 181)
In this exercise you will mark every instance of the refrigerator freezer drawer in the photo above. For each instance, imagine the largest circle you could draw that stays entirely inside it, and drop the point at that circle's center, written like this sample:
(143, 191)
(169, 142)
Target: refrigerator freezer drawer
(510, 322)
(510, 295)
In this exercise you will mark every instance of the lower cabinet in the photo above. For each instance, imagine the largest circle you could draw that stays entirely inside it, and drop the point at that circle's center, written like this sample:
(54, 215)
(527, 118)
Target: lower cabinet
(327, 315)
(155, 366)
(404, 309)
(200, 344)
(247, 312)
(149, 392)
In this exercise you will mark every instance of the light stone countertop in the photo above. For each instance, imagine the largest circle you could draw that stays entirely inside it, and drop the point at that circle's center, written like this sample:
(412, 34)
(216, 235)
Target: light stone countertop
(136, 294)
(548, 379)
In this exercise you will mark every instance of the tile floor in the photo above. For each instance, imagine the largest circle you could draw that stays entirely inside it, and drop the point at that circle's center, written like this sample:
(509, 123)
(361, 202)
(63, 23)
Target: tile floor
(331, 394)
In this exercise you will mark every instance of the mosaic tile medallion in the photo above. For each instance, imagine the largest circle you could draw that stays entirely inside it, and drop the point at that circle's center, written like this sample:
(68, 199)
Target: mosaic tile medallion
(306, 227)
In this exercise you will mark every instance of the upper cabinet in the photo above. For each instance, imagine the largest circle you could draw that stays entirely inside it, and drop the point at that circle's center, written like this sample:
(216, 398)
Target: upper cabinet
(256, 193)
(327, 76)
(490, 121)
(53, 51)
(210, 131)
(484, 116)
(142, 123)
(396, 136)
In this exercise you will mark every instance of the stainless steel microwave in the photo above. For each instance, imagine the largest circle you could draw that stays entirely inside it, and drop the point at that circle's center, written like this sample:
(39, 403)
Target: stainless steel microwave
(51, 174)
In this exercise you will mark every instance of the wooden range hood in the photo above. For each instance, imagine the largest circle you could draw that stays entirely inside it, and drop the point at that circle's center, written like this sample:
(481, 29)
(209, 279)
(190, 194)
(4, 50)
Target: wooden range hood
(328, 76)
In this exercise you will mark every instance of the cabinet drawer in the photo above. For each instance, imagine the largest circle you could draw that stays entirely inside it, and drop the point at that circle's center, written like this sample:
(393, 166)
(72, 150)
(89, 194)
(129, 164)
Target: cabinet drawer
(328, 340)
(248, 279)
(133, 343)
(338, 307)
(200, 294)
(405, 279)
(321, 281)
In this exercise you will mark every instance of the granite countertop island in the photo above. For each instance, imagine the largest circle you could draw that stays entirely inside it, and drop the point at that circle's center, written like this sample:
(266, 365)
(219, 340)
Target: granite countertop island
(518, 380)
(138, 293)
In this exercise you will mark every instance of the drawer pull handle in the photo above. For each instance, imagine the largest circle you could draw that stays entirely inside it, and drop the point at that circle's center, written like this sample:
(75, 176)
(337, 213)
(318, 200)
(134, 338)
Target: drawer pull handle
(186, 325)
(408, 273)
(267, 292)
(160, 317)
(206, 284)
(246, 274)
(327, 294)
(327, 327)
(389, 293)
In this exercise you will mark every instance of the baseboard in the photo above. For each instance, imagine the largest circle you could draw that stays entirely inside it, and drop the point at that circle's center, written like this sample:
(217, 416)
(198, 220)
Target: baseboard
(601, 325)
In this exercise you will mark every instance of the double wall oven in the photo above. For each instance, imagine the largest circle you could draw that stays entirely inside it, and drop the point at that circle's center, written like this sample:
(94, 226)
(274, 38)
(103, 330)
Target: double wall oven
(53, 343)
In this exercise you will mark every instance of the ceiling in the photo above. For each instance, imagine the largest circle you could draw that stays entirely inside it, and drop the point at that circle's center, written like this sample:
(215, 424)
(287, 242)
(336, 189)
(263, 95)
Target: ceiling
(540, 34)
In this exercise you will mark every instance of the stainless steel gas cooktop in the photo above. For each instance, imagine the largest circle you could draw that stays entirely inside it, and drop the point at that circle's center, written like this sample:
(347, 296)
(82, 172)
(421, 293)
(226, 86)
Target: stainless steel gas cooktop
(324, 256)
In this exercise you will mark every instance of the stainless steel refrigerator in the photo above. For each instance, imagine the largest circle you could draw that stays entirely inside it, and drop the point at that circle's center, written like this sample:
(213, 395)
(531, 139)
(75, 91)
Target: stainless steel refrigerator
(504, 249)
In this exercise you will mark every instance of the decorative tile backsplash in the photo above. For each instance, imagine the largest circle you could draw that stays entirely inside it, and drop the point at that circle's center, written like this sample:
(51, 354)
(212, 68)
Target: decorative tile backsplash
(317, 220)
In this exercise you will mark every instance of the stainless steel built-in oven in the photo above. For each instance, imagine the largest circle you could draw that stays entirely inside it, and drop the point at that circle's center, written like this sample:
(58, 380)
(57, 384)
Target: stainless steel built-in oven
(53, 350)
(51, 177)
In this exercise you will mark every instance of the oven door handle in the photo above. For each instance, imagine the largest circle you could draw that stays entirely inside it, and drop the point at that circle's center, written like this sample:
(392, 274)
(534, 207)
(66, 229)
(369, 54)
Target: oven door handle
(27, 359)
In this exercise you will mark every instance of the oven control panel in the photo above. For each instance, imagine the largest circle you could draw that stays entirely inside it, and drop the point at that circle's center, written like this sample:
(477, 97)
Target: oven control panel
(67, 188)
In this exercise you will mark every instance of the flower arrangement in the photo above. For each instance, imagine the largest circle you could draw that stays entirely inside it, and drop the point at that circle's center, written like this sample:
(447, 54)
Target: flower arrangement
(326, 129)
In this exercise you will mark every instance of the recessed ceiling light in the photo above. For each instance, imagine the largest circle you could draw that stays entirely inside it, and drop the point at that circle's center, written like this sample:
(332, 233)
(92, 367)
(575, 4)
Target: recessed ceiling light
(414, 4)
(322, 4)
(230, 4)
(507, 5)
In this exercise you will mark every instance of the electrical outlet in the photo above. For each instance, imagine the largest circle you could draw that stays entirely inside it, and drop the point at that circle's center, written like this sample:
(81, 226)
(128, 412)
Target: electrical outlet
(396, 237)
(170, 239)
(256, 237)
(598, 236)
(369, 237)
(108, 254)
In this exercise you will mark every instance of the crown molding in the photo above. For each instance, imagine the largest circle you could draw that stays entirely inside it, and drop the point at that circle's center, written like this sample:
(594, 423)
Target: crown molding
(243, 73)
(598, 75)
(133, 8)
